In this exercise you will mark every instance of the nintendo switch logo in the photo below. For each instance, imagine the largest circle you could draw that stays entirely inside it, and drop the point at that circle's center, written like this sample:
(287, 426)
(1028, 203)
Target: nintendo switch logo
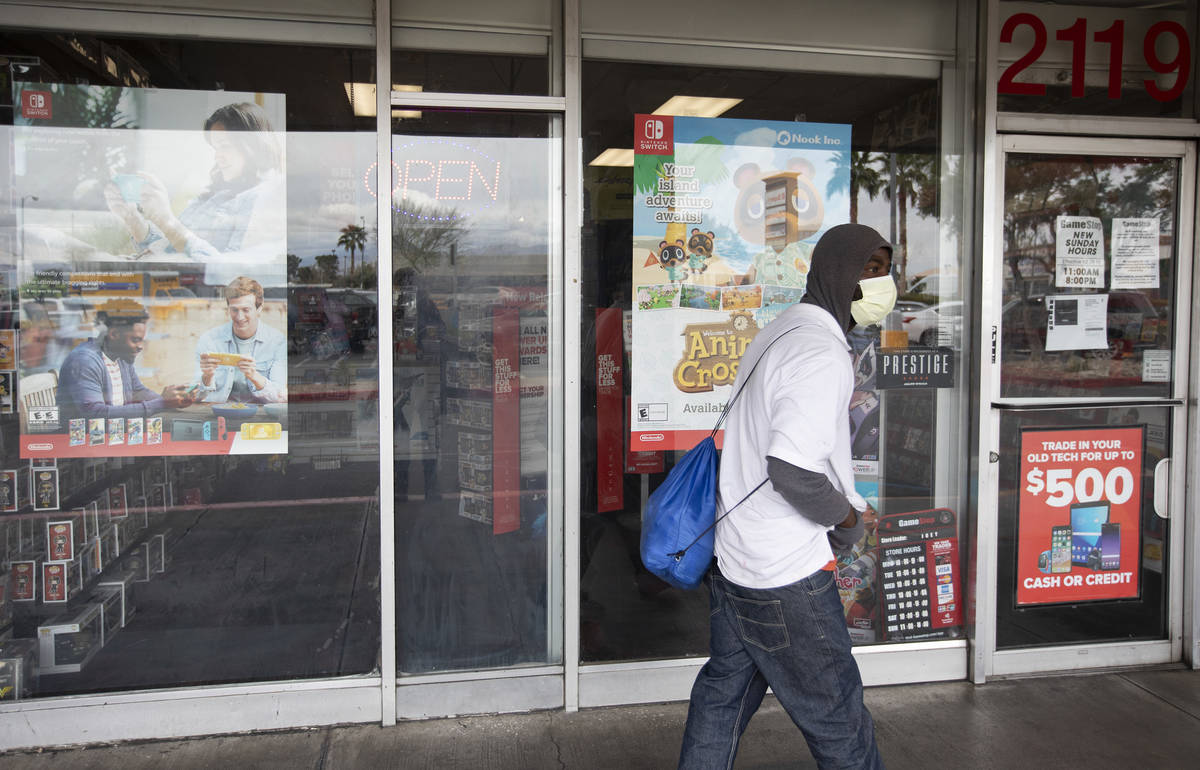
(35, 104)
(654, 135)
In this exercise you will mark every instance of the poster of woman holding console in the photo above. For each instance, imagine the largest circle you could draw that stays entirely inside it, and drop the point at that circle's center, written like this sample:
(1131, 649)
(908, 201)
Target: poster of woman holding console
(140, 208)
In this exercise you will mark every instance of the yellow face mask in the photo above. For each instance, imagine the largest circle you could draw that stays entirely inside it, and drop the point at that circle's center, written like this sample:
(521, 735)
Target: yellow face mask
(878, 299)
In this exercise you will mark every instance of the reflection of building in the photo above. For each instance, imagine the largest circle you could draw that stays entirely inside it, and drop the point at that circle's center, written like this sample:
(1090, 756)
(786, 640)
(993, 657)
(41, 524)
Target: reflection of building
(291, 594)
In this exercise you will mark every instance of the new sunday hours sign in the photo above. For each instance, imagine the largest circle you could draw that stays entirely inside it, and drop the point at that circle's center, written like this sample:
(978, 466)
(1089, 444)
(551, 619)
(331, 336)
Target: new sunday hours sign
(1079, 253)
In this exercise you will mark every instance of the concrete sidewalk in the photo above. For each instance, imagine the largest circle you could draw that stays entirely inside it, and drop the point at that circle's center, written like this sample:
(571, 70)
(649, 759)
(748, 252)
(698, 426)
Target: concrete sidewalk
(1144, 719)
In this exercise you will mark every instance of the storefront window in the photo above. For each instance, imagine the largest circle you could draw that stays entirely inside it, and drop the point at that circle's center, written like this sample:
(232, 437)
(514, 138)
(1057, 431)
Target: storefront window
(1116, 58)
(190, 436)
(472, 242)
(853, 149)
(1126, 348)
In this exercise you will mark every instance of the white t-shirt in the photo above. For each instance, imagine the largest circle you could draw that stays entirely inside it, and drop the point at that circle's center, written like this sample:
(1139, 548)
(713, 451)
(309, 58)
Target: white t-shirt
(795, 408)
(115, 380)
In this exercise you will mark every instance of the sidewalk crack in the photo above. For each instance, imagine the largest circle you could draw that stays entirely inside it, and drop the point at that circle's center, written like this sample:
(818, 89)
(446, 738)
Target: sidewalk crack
(557, 747)
(1156, 695)
(325, 744)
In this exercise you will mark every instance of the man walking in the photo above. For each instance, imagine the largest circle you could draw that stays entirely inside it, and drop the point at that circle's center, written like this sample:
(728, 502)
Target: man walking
(776, 618)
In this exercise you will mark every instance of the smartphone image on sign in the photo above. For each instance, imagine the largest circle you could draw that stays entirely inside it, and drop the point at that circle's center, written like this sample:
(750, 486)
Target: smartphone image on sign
(1086, 520)
(1060, 549)
(1110, 546)
(130, 187)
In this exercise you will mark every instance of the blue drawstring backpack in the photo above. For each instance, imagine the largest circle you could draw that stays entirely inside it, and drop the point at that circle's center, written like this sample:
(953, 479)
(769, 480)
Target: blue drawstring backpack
(677, 529)
(680, 516)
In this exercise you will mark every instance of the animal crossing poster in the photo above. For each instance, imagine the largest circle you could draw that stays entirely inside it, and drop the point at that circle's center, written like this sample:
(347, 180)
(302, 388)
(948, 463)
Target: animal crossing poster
(725, 216)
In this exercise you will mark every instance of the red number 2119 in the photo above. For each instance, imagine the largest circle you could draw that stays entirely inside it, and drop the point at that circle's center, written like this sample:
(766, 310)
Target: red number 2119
(1114, 38)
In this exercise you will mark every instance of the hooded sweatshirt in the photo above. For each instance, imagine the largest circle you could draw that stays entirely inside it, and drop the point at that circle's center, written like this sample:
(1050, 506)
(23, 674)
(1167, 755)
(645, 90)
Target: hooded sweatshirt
(837, 266)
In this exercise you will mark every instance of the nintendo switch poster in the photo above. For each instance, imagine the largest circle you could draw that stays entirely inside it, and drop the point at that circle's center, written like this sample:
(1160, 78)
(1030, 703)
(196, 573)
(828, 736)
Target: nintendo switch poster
(152, 272)
(1079, 516)
(725, 216)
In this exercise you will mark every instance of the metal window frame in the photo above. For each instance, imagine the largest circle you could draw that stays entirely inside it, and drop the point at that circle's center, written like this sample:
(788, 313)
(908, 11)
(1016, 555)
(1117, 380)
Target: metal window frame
(385, 314)
(469, 692)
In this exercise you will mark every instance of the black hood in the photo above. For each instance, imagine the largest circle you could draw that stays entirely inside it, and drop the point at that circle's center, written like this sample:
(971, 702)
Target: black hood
(837, 264)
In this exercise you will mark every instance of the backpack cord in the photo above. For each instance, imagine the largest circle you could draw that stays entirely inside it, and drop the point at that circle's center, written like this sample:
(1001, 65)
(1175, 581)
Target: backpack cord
(678, 555)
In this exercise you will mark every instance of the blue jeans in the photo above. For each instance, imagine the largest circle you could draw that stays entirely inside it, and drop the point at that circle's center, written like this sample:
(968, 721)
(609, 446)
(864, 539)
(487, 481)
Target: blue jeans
(794, 639)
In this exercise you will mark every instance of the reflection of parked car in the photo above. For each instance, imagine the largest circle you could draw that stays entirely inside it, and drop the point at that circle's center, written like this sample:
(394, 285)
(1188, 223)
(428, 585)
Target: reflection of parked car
(358, 312)
(909, 306)
(315, 325)
(1133, 325)
(922, 325)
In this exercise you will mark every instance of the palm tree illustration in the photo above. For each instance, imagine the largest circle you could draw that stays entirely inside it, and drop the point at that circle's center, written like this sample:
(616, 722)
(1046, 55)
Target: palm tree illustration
(704, 155)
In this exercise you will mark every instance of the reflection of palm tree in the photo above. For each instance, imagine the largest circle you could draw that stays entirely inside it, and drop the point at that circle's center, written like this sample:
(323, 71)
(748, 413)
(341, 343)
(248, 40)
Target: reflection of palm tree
(911, 180)
(705, 157)
(353, 237)
(422, 235)
(864, 175)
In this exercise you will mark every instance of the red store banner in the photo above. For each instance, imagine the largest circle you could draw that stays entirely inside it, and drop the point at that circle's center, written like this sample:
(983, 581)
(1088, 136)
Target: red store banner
(1079, 516)
(610, 412)
(506, 421)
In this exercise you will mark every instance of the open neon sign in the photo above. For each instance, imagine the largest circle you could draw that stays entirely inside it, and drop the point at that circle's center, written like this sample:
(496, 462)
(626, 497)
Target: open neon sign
(456, 178)
(1114, 37)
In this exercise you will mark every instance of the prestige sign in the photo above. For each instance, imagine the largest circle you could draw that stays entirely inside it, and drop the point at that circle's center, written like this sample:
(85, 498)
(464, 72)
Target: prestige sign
(915, 368)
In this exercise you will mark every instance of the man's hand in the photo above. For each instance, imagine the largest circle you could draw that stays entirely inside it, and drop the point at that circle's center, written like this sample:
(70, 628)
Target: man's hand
(844, 536)
(208, 368)
(246, 367)
(177, 396)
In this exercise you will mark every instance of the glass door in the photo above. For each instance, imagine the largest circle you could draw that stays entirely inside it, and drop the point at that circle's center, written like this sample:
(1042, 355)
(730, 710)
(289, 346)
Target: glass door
(1088, 318)
(475, 204)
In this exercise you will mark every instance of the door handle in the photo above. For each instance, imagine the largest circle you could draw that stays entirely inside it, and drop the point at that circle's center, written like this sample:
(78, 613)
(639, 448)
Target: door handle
(1162, 487)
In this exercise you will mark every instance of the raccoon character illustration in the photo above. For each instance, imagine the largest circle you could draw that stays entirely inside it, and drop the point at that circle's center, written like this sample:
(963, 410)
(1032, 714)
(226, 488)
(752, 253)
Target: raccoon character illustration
(803, 209)
(700, 249)
(672, 258)
(779, 210)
